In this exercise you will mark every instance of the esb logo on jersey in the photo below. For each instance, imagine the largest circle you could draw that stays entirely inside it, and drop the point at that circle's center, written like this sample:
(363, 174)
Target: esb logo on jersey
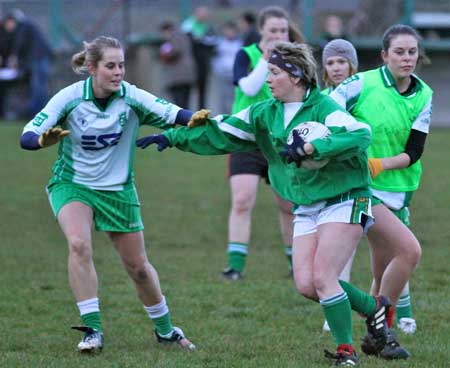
(98, 142)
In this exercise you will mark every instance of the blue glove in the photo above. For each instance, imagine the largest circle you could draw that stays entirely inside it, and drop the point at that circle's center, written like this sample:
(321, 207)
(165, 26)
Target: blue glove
(294, 152)
(159, 139)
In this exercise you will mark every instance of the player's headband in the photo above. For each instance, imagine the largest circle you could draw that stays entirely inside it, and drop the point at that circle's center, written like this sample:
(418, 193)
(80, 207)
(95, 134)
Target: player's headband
(277, 59)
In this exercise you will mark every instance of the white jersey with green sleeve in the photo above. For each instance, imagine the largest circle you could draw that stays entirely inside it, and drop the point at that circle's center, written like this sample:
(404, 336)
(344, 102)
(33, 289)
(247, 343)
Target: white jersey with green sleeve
(99, 152)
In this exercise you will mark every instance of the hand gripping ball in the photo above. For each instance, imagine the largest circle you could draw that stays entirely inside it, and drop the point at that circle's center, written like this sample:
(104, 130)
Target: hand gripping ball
(310, 131)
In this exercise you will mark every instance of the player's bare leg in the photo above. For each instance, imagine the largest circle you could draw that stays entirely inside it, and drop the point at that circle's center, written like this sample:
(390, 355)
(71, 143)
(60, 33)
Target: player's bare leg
(75, 220)
(244, 188)
(286, 219)
(395, 253)
(131, 249)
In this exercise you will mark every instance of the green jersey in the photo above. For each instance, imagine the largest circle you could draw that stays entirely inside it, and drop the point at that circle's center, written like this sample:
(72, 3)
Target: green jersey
(372, 97)
(265, 125)
(241, 100)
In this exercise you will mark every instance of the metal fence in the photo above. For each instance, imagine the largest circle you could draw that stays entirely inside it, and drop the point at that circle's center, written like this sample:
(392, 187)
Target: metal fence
(69, 22)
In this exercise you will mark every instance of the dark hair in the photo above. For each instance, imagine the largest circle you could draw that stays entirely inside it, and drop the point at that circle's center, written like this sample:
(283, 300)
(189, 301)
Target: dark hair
(93, 53)
(167, 25)
(276, 12)
(271, 12)
(249, 17)
(403, 29)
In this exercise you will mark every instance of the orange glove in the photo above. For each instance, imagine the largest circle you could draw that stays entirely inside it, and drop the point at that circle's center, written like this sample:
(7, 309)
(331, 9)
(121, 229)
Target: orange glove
(375, 166)
(52, 136)
(198, 118)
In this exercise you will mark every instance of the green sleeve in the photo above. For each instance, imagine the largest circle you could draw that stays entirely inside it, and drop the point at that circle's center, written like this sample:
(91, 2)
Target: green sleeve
(342, 143)
(209, 139)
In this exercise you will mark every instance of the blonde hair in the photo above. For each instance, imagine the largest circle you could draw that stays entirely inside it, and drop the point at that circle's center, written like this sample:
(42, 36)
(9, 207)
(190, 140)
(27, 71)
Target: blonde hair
(301, 56)
(327, 80)
(93, 53)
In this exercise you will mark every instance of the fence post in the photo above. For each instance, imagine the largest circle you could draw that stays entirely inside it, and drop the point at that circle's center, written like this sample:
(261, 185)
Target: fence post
(54, 15)
(307, 20)
(408, 9)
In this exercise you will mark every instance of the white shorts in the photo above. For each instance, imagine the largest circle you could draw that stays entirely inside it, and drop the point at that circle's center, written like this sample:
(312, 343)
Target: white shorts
(352, 211)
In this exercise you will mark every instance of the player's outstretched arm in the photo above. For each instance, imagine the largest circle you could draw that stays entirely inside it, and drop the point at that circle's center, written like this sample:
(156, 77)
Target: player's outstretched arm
(32, 141)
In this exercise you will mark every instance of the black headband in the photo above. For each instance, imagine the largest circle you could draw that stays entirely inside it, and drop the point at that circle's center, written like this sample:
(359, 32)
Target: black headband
(277, 59)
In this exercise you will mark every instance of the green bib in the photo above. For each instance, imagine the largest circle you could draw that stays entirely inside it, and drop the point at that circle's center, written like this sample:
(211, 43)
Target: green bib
(327, 91)
(391, 116)
(241, 100)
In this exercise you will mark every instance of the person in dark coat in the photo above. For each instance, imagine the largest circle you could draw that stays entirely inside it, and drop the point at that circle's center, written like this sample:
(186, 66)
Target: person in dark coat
(30, 53)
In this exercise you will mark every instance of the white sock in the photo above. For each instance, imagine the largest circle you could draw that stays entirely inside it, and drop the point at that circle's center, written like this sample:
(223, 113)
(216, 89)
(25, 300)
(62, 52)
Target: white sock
(157, 310)
(89, 306)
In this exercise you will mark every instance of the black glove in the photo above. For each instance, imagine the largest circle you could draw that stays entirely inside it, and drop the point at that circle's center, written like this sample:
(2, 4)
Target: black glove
(294, 152)
(159, 139)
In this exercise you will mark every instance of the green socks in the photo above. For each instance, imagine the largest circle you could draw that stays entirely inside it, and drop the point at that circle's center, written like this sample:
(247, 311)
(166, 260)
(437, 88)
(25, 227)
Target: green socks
(160, 315)
(237, 254)
(90, 313)
(92, 320)
(338, 314)
(360, 301)
(163, 325)
(404, 308)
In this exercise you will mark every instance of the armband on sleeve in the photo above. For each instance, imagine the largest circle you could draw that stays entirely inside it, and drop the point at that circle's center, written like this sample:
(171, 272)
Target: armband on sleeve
(415, 145)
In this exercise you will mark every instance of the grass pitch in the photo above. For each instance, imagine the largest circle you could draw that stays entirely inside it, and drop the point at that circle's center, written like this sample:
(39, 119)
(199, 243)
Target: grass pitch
(259, 322)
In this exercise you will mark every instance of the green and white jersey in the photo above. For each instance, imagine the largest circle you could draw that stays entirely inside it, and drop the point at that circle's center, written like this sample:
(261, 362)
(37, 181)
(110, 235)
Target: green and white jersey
(99, 152)
(266, 125)
(372, 97)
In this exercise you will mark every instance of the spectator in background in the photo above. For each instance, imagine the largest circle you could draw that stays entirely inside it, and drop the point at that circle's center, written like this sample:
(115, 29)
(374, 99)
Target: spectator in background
(333, 28)
(227, 46)
(31, 53)
(5, 50)
(178, 63)
(247, 25)
(5, 45)
(203, 42)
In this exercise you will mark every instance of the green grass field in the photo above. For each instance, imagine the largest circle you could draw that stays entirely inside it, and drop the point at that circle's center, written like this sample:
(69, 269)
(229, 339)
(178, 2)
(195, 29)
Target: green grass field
(259, 322)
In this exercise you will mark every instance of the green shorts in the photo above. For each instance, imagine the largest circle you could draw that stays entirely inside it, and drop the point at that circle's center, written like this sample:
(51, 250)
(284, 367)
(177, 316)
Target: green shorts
(117, 211)
(402, 214)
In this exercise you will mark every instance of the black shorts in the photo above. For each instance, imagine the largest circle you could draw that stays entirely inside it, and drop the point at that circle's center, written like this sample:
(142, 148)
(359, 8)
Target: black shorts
(252, 162)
